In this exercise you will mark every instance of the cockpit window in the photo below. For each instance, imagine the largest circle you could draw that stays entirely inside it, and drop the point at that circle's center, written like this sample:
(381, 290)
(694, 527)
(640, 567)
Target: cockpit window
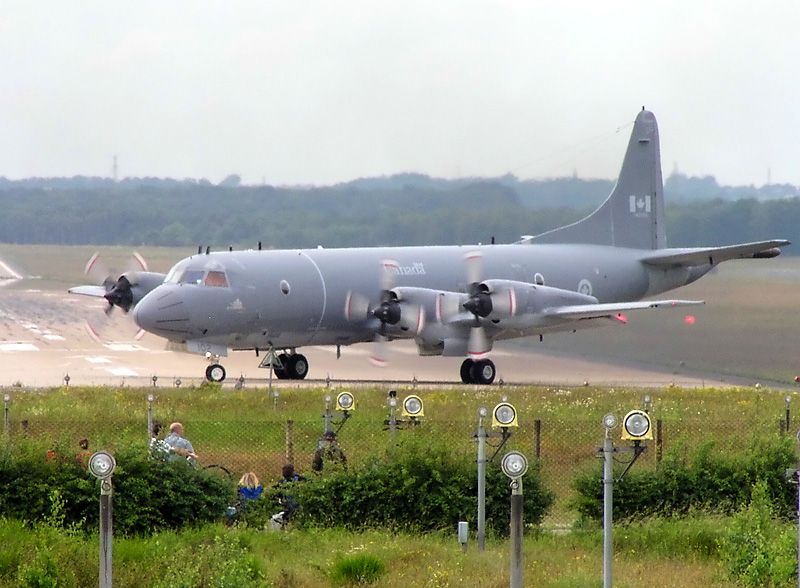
(191, 277)
(216, 279)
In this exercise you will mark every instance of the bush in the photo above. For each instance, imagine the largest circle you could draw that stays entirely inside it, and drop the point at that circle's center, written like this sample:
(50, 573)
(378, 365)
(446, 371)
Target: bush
(357, 569)
(148, 495)
(709, 482)
(756, 551)
(417, 486)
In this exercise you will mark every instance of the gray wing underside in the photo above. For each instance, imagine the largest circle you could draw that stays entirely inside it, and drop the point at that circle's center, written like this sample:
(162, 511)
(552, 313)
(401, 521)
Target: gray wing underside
(590, 311)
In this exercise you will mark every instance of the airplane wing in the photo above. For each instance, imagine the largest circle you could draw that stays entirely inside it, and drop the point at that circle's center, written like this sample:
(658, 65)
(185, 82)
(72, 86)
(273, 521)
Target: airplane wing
(98, 291)
(714, 255)
(590, 311)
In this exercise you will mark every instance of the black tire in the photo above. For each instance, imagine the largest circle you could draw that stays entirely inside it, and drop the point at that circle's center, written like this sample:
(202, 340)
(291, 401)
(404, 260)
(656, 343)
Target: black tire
(297, 367)
(483, 372)
(215, 373)
(219, 471)
(466, 371)
(282, 373)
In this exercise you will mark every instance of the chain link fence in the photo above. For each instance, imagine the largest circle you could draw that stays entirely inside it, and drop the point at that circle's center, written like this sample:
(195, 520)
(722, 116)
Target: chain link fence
(260, 432)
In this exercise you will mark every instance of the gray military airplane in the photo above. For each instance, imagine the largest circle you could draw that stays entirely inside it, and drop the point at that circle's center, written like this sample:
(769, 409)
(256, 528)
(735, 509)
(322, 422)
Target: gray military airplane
(451, 300)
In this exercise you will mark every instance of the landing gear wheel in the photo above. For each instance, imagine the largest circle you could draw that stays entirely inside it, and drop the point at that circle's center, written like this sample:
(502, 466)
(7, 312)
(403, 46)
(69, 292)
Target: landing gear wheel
(297, 367)
(466, 368)
(215, 373)
(282, 372)
(483, 372)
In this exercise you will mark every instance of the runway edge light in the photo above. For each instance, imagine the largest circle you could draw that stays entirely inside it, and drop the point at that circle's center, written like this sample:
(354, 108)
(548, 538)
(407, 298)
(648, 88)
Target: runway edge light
(636, 426)
(412, 406)
(504, 415)
(345, 401)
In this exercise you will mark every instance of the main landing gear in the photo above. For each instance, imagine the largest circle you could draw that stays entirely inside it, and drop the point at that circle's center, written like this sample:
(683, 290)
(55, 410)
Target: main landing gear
(293, 367)
(478, 372)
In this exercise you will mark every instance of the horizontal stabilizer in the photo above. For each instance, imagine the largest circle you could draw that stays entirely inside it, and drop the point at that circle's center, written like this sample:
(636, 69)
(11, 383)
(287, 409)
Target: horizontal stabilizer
(714, 255)
(98, 291)
(589, 311)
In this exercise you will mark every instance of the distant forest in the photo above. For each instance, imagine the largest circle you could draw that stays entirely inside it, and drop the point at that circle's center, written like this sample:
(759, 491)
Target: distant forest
(405, 209)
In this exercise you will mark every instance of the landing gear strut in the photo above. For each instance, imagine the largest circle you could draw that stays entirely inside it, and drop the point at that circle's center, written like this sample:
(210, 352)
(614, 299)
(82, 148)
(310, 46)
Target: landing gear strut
(478, 372)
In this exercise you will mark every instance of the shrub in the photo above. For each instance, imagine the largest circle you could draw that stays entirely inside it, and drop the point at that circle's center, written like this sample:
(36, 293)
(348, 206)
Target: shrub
(708, 482)
(357, 569)
(756, 551)
(148, 494)
(416, 486)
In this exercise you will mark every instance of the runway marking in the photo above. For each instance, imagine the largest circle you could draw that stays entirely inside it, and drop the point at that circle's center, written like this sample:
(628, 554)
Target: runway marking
(97, 359)
(124, 347)
(121, 371)
(18, 347)
(51, 337)
(5, 267)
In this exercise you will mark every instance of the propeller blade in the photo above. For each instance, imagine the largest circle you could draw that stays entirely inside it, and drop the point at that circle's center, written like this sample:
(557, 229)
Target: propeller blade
(473, 263)
(378, 356)
(413, 318)
(356, 306)
(136, 263)
(448, 305)
(478, 344)
(389, 270)
(98, 272)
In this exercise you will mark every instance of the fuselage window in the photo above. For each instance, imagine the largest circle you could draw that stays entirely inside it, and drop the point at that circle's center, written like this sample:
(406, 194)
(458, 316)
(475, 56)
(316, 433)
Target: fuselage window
(216, 279)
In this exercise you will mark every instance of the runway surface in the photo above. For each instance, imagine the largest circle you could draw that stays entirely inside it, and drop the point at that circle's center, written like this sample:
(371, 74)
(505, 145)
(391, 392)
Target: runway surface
(43, 338)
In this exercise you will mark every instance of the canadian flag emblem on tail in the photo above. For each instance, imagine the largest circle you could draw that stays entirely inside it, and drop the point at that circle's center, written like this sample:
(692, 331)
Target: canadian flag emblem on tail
(640, 204)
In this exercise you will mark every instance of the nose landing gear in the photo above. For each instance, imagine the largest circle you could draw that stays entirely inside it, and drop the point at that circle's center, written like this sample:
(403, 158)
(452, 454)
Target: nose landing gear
(214, 372)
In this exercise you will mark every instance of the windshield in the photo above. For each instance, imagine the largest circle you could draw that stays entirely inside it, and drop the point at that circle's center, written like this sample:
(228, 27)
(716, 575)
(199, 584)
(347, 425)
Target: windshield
(214, 278)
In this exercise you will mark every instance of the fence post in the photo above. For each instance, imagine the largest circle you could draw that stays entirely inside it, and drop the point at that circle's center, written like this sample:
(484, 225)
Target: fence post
(6, 415)
(290, 441)
(659, 440)
(537, 438)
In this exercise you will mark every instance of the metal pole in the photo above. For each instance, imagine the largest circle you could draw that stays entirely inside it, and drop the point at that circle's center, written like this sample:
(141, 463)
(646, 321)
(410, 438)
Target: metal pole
(392, 420)
(481, 485)
(659, 440)
(516, 533)
(149, 416)
(106, 533)
(290, 442)
(608, 501)
(6, 415)
(537, 438)
(328, 416)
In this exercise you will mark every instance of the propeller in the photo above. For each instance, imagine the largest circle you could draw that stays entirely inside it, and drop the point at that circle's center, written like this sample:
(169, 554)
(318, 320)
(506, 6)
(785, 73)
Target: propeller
(390, 311)
(117, 292)
(479, 303)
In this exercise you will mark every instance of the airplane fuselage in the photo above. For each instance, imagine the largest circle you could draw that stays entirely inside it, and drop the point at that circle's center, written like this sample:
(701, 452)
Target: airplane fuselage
(293, 298)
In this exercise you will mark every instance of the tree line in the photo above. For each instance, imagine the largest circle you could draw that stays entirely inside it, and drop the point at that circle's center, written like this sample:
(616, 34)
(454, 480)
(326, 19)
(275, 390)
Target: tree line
(408, 209)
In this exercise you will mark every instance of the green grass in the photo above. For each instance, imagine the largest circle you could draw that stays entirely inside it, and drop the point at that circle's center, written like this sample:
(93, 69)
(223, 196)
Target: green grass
(220, 556)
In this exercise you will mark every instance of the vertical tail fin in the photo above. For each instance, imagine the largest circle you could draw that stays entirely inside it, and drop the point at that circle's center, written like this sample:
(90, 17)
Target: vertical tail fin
(633, 215)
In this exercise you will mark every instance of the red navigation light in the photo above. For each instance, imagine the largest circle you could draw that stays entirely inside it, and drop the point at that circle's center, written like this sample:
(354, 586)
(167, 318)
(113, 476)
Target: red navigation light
(689, 319)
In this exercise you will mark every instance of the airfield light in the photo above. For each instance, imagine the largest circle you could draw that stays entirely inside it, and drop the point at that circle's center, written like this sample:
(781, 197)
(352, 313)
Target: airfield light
(504, 415)
(483, 412)
(177, 382)
(155, 379)
(412, 406)
(514, 464)
(648, 403)
(102, 464)
(392, 402)
(610, 421)
(345, 401)
(6, 397)
(327, 401)
(150, 398)
(636, 426)
(787, 400)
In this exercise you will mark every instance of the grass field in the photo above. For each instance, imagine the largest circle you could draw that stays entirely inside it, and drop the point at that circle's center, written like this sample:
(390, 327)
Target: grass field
(246, 428)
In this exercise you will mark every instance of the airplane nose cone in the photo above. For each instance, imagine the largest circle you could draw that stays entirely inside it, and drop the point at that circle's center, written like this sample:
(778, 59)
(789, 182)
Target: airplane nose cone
(163, 312)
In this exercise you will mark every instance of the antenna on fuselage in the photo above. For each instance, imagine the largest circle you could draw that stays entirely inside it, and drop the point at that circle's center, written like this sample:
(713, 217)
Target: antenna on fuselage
(230, 247)
(199, 249)
(208, 249)
(259, 245)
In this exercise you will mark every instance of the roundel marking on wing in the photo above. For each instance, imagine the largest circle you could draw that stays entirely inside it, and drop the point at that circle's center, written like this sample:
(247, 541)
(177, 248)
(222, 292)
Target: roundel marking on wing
(585, 287)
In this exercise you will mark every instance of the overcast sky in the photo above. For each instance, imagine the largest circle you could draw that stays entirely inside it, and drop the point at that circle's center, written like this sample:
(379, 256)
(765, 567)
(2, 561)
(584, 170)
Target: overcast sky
(316, 92)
